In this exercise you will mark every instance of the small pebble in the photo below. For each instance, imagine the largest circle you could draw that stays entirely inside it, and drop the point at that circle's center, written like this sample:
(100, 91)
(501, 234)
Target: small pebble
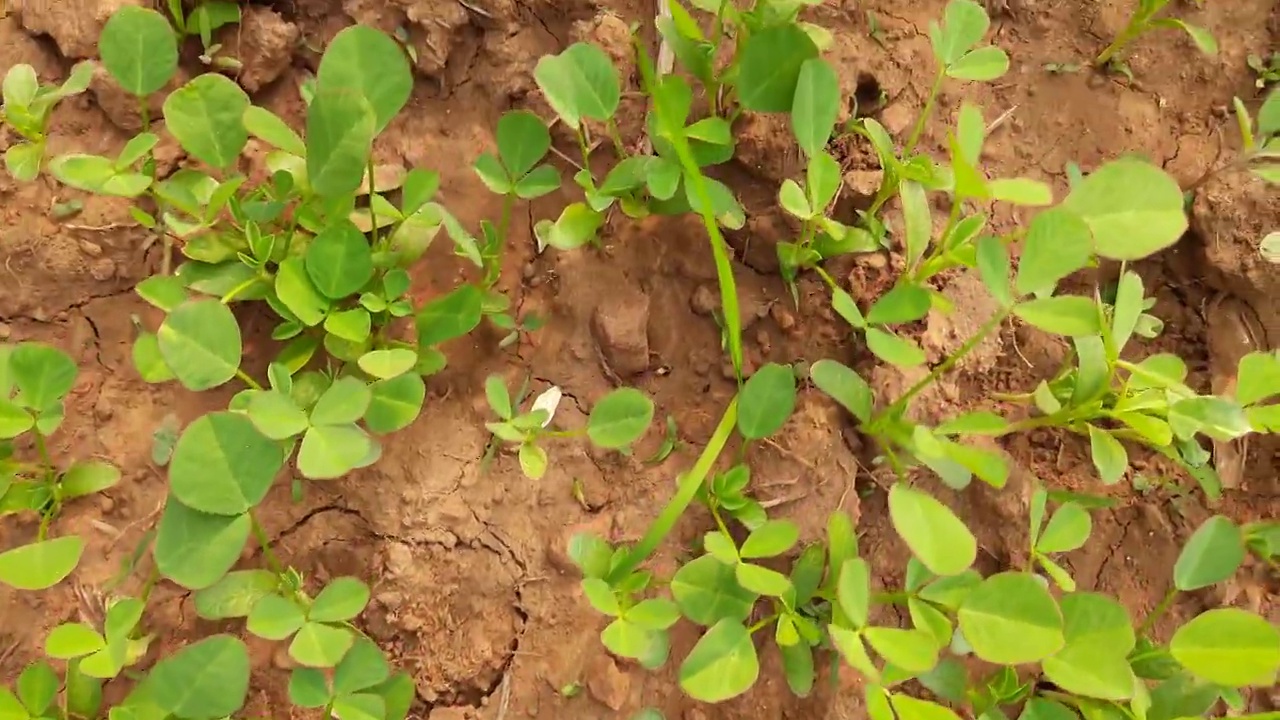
(92, 249)
(106, 504)
(704, 300)
(783, 316)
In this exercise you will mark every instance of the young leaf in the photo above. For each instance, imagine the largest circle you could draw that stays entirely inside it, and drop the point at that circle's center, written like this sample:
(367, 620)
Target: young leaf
(1098, 622)
(364, 61)
(722, 665)
(222, 465)
(43, 374)
(195, 549)
(320, 645)
(1011, 619)
(902, 304)
(341, 600)
(1085, 671)
(1067, 530)
(139, 49)
(389, 363)
(894, 349)
(394, 403)
(1070, 315)
(769, 67)
(42, 564)
(200, 342)
(1257, 377)
(235, 595)
(450, 316)
(766, 401)
(1132, 208)
(620, 418)
(770, 540)
(37, 687)
(73, 640)
(707, 591)
(362, 668)
(844, 386)
(340, 129)
(815, 106)
(207, 117)
(1212, 554)
(982, 64)
(339, 260)
(933, 532)
(268, 127)
(1229, 647)
(909, 708)
(964, 24)
(917, 219)
(580, 82)
(206, 680)
(1108, 454)
(853, 589)
(523, 140)
(912, 650)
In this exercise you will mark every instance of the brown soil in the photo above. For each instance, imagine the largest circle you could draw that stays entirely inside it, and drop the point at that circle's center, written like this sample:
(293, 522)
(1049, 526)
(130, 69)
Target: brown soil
(472, 592)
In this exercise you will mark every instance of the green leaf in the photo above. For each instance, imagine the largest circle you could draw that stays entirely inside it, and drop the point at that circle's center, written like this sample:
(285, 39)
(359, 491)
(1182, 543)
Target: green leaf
(849, 644)
(771, 539)
(1057, 244)
(450, 316)
(580, 82)
(43, 374)
(766, 401)
(222, 464)
(339, 260)
(268, 127)
(915, 651)
(139, 49)
(22, 160)
(275, 617)
(340, 130)
(1022, 191)
(1204, 41)
(1258, 377)
(933, 532)
(345, 401)
(195, 549)
(620, 418)
(844, 386)
(1229, 647)
(1067, 530)
(983, 64)
(340, 600)
(308, 688)
(769, 67)
(331, 451)
(853, 590)
(206, 680)
(1133, 208)
(87, 478)
(42, 564)
(654, 614)
(1108, 454)
(200, 342)
(816, 105)
(38, 686)
(797, 665)
(297, 292)
(1070, 315)
(20, 86)
(73, 640)
(276, 415)
(964, 24)
(361, 668)
(206, 116)
(523, 140)
(235, 594)
(1098, 622)
(1212, 554)
(1085, 671)
(993, 268)
(394, 403)
(909, 708)
(722, 665)
(918, 221)
(368, 63)
(14, 420)
(894, 349)
(707, 591)
(387, 364)
(1011, 619)
(902, 304)
(320, 645)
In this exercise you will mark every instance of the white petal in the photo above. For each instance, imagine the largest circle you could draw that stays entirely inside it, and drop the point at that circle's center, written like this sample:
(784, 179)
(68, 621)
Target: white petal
(549, 400)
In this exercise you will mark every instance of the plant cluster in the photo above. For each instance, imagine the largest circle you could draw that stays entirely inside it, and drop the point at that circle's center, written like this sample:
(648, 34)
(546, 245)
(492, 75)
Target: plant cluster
(326, 243)
(1145, 18)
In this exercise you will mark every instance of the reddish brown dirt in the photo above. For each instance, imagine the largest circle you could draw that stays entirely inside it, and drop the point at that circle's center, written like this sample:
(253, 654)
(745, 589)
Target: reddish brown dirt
(472, 592)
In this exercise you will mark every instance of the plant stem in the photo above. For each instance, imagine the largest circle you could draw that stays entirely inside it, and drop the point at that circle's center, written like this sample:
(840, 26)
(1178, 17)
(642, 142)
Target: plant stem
(244, 377)
(943, 366)
(685, 494)
(43, 449)
(231, 294)
(1157, 612)
(763, 623)
(616, 137)
(493, 271)
(918, 130)
(258, 532)
(373, 214)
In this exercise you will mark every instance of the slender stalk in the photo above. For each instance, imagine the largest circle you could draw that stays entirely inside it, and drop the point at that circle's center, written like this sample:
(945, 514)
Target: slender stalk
(1157, 612)
(265, 542)
(918, 130)
(685, 494)
(616, 137)
(42, 448)
(762, 624)
(493, 271)
(244, 377)
(373, 213)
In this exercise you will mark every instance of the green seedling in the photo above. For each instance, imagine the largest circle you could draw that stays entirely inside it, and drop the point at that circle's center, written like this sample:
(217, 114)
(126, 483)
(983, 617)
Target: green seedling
(670, 443)
(1260, 144)
(206, 17)
(27, 107)
(1267, 71)
(617, 421)
(34, 382)
(1143, 21)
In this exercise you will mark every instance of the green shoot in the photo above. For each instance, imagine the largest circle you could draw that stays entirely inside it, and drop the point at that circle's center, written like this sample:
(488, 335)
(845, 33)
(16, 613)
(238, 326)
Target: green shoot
(27, 107)
(1143, 20)
(206, 17)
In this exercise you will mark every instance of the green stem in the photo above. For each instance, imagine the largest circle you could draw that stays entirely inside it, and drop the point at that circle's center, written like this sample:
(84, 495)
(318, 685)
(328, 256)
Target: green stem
(943, 366)
(373, 214)
(685, 494)
(244, 377)
(762, 624)
(616, 137)
(493, 271)
(43, 449)
(1157, 612)
(231, 294)
(258, 532)
(918, 130)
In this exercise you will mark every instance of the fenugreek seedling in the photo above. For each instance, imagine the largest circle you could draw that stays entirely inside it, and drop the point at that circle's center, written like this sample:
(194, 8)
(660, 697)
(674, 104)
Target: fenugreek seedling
(27, 107)
(34, 381)
(615, 423)
(1260, 144)
(206, 17)
(1140, 23)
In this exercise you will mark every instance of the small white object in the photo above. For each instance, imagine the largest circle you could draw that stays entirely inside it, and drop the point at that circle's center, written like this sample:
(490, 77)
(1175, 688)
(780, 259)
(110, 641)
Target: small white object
(1271, 247)
(549, 400)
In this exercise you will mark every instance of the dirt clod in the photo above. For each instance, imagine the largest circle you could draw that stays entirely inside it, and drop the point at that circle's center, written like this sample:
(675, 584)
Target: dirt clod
(73, 24)
(621, 332)
(607, 683)
(263, 42)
